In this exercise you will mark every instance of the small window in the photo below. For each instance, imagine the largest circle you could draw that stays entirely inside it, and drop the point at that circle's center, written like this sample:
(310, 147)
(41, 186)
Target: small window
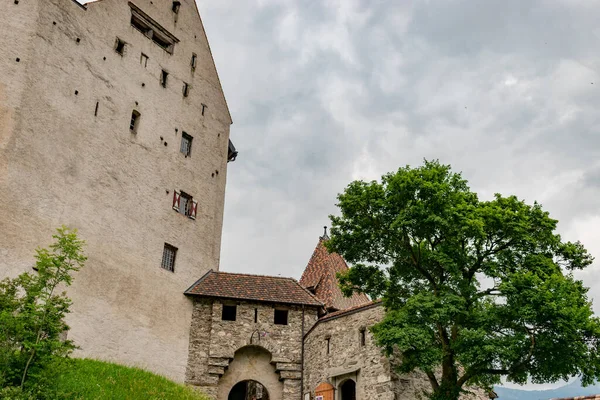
(185, 204)
(164, 75)
(186, 144)
(204, 107)
(144, 60)
(363, 337)
(255, 315)
(168, 259)
(135, 121)
(281, 317)
(186, 89)
(120, 46)
(229, 313)
(328, 344)
(194, 60)
(176, 5)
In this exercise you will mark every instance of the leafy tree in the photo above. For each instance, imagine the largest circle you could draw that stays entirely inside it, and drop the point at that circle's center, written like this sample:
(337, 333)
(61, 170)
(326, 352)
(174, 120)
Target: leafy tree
(473, 290)
(32, 313)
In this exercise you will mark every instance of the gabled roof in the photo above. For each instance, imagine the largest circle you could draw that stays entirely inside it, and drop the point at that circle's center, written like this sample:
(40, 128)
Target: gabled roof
(259, 288)
(320, 278)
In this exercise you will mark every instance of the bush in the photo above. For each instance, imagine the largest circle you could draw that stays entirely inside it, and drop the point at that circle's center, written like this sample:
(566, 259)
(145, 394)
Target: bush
(32, 320)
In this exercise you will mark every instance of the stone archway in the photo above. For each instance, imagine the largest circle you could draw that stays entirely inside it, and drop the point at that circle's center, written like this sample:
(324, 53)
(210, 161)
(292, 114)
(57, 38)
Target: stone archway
(348, 390)
(248, 390)
(250, 363)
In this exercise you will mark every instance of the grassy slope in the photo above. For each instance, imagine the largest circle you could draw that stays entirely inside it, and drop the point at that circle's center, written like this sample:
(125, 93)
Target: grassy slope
(90, 380)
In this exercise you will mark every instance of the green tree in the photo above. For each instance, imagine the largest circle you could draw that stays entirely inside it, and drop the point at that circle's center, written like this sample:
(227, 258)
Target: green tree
(473, 290)
(32, 312)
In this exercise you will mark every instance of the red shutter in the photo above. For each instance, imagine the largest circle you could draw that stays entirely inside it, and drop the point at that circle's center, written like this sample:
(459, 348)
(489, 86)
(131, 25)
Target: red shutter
(194, 209)
(176, 197)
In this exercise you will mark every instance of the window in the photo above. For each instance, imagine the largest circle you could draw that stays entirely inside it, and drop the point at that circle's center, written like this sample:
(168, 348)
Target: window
(328, 344)
(186, 144)
(281, 317)
(168, 259)
(144, 60)
(186, 89)
(135, 121)
(184, 204)
(255, 315)
(194, 60)
(164, 75)
(229, 313)
(203, 108)
(363, 337)
(152, 29)
(120, 46)
(176, 5)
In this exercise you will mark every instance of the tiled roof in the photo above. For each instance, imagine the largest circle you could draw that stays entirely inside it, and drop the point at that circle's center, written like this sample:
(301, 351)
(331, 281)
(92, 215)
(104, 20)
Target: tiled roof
(592, 397)
(320, 277)
(261, 288)
(351, 310)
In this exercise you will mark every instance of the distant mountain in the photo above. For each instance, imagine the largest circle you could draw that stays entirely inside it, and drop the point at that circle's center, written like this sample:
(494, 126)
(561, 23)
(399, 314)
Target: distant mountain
(570, 390)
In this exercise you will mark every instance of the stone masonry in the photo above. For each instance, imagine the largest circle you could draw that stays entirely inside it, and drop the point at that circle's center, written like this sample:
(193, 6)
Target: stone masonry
(216, 346)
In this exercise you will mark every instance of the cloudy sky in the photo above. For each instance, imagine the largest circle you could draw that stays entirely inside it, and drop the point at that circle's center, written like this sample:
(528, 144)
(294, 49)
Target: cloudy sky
(324, 92)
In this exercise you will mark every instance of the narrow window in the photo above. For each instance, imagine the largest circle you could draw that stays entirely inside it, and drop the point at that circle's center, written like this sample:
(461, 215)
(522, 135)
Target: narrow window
(203, 108)
(328, 344)
(96, 110)
(144, 60)
(363, 337)
(194, 60)
(186, 144)
(168, 259)
(120, 46)
(186, 89)
(255, 315)
(229, 313)
(164, 75)
(135, 121)
(176, 5)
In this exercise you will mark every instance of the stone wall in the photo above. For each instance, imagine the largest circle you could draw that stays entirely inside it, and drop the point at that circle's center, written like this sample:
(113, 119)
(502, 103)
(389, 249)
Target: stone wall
(67, 156)
(215, 345)
(365, 364)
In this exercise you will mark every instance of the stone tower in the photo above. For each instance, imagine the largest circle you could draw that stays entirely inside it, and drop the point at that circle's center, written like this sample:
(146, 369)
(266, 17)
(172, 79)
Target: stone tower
(113, 121)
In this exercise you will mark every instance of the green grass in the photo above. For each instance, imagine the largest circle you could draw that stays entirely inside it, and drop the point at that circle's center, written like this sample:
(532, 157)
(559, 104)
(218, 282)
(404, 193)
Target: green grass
(91, 379)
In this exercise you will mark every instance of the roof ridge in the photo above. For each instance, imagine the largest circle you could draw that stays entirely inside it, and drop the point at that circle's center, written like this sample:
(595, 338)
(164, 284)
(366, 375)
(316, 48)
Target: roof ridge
(259, 275)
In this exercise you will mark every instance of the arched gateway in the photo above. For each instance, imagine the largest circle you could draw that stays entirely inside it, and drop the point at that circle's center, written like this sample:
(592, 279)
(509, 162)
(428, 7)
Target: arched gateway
(248, 390)
(250, 376)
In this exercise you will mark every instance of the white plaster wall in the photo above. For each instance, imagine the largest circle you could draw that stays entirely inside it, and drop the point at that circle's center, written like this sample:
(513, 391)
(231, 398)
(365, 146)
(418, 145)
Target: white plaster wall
(59, 164)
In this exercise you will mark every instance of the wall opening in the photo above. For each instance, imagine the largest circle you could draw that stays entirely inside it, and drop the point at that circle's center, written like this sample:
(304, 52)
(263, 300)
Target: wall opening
(248, 390)
(120, 46)
(229, 313)
(135, 121)
(348, 390)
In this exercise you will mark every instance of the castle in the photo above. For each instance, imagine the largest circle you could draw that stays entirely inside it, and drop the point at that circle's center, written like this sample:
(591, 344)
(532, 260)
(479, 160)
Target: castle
(113, 121)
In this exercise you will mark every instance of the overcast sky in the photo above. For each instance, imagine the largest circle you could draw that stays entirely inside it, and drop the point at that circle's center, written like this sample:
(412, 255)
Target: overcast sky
(324, 92)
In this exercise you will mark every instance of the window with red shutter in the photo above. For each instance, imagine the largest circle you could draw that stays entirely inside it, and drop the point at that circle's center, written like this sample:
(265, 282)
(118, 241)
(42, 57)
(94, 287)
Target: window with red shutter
(194, 209)
(176, 199)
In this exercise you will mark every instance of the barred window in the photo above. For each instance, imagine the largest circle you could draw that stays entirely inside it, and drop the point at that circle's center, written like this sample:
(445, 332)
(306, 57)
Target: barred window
(186, 144)
(135, 121)
(168, 259)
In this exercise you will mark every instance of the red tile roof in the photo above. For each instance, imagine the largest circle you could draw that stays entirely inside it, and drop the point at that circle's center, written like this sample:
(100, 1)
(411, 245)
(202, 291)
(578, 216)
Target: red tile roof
(261, 288)
(592, 397)
(320, 277)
